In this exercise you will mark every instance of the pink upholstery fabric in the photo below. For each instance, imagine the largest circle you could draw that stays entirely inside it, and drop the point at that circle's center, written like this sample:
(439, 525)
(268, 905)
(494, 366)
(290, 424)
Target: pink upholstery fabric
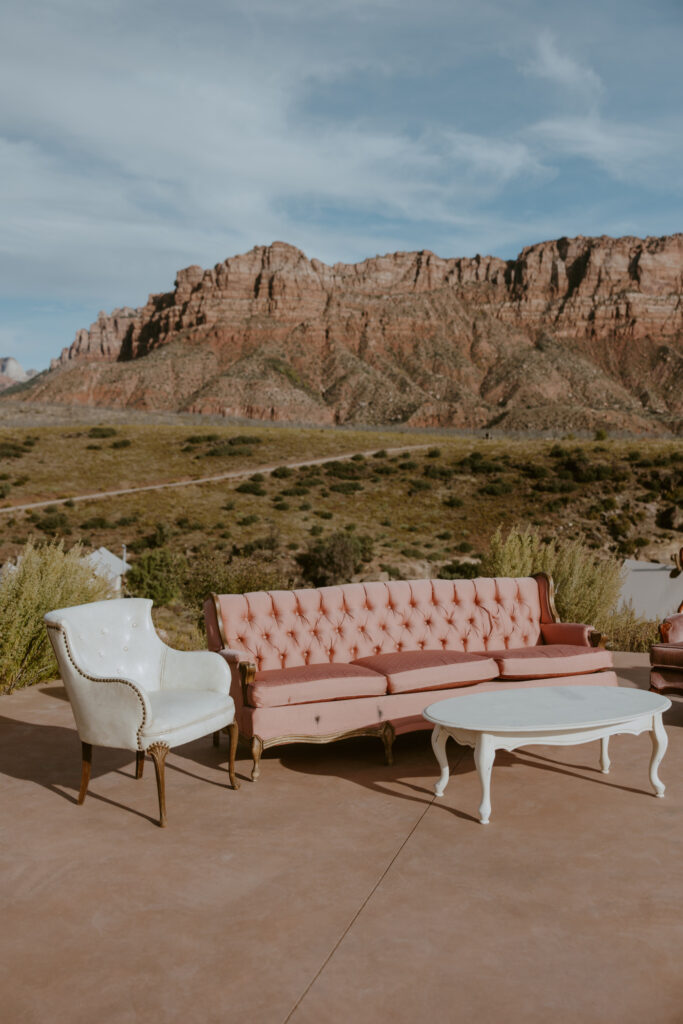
(286, 628)
(566, 633)
(305, 683)
(667, 655)
(430, 670)
(673, 626)
(403, 710)
(551, 660)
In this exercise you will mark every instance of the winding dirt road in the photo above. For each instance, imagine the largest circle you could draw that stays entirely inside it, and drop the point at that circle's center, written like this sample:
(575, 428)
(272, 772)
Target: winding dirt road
(234, 475)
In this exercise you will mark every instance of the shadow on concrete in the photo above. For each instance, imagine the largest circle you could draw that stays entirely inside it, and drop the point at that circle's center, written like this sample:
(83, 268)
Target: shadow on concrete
(415, 761)
(50, 756)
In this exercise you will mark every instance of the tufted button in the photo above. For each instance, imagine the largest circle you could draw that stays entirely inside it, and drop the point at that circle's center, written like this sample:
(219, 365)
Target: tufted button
(133, 625)
(104, 631)
(125, 648)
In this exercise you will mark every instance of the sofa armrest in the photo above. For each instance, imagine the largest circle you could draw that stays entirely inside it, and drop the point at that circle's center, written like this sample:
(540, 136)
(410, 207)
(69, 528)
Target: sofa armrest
(574, 633)
(234, 657)
(671, 629)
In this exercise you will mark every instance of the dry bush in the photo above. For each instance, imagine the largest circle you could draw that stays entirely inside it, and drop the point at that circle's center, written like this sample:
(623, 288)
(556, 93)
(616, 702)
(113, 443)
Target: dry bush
(46, 577)
(627, 631)
(586, 587)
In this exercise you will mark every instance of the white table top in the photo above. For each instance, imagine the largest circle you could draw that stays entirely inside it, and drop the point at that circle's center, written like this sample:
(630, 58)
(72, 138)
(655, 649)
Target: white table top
(544, 707)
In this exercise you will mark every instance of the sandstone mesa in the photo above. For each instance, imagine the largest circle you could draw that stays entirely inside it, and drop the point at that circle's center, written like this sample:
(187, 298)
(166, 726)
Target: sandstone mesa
(573, 334)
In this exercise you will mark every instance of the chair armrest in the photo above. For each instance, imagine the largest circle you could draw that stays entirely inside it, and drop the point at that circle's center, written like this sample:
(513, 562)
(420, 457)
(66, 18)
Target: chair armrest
(671, 629)
(574, 633)
(194, 670)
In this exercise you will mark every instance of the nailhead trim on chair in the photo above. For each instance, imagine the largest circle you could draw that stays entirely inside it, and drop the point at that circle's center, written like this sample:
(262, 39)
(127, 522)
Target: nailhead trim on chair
(102, 679)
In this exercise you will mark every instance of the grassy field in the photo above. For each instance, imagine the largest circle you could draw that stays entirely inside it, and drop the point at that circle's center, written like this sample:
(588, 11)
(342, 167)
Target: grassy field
(423, 510)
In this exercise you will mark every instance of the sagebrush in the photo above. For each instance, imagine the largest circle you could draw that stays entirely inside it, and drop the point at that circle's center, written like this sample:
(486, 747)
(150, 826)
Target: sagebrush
(587, 587)
(45, 577)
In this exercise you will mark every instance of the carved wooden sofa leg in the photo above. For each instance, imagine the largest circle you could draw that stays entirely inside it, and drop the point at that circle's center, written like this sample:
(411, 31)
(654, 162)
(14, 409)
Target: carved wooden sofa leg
(256, 751)
(234, 739)
(139, 763)
(86, 749)
(388, 736)
(158, 752)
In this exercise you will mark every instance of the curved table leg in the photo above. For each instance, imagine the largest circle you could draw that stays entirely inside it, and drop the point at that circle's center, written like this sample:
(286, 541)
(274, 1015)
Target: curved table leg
(439, 737)
(604, 755)
(660, 742)
(484, 754)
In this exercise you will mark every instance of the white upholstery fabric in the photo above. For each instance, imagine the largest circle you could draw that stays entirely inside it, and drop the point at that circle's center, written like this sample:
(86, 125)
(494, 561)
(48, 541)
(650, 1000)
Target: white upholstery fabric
(179, 716)
(127, 688)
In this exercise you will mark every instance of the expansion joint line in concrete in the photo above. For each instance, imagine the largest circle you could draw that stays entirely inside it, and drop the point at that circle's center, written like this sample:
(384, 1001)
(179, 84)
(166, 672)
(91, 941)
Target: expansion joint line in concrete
(363, 904)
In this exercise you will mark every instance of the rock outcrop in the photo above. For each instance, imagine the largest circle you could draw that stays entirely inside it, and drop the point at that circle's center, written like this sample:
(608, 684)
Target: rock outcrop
(12, 372)
(575, 333)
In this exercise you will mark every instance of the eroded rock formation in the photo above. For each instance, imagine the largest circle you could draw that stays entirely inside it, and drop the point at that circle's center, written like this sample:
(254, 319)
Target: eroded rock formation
(576, 332)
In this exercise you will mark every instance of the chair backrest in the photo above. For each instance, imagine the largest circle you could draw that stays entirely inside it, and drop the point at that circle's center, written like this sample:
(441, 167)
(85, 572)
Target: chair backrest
(113, 638)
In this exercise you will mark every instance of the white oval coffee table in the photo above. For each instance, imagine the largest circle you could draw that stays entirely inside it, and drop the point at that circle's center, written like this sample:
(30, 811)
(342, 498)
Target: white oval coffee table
(548, 715)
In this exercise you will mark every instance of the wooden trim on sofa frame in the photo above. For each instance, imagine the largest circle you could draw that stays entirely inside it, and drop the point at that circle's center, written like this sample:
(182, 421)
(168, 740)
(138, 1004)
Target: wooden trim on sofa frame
(385, 732)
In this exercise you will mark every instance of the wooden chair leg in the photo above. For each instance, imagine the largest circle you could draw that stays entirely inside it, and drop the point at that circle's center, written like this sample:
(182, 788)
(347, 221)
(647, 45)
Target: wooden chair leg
(216, 738)
(388, 737)
(139, 763)
(86, 749)
(158, 752)
(234, 737)
(256, 751)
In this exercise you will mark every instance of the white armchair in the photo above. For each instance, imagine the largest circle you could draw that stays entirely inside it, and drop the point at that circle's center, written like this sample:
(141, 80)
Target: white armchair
(128, 689)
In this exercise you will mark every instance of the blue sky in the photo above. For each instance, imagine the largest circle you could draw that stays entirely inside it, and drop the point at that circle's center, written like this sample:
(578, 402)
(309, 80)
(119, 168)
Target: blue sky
(140, 137)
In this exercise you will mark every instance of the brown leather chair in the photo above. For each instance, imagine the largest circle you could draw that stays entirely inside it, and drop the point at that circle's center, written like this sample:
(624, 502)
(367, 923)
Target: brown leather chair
(666, 658)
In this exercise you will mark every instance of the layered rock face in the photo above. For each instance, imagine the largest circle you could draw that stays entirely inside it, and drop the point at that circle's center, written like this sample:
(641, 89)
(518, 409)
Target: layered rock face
(575, 333)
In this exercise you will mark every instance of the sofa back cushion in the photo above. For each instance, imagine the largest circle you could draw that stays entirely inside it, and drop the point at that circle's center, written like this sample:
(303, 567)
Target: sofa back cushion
(285, 628)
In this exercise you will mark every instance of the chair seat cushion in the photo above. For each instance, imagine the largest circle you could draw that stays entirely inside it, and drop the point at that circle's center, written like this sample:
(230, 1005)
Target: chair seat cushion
(408, 671)
(667, 655)
(549, 660)
(302, 684)
(179, 716)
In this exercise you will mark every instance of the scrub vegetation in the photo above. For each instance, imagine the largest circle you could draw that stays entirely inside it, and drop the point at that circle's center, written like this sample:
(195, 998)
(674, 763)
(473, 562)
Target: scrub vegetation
(395, 504)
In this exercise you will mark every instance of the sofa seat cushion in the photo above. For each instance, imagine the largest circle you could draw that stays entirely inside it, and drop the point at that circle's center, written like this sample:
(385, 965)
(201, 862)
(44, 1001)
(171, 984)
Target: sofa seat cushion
(550, 660)
(302, 684)
(408, 671)
(667, 655)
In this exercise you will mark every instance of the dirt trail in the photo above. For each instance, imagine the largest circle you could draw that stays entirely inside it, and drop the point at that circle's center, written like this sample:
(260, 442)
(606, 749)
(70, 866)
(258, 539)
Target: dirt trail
(234, 475)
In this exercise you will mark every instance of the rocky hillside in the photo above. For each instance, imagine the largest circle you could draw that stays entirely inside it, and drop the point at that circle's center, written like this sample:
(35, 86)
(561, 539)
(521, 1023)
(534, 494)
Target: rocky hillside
(574, 334)
(11, 373)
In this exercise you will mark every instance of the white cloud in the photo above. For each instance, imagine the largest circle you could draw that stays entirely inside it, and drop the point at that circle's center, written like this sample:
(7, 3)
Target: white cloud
(650, 155)
(561, 69)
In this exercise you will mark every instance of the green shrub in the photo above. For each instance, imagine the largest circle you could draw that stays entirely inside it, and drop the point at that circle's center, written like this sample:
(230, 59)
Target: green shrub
(157, 574)
(250, 487)
(334, 559)
(207, 574)
(46, 577)
(586, 586)
(102, 432)
(452, 501)
(346, 487)
(280, 472)
(459, 571)
(122, 443)
(627, 631)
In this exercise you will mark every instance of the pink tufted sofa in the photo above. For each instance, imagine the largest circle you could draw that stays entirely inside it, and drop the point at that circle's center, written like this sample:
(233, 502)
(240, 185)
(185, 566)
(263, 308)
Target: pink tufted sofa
(367, 658)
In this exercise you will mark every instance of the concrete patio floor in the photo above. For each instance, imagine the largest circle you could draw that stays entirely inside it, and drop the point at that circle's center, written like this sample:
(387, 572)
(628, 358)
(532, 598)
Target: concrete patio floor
(337, 889)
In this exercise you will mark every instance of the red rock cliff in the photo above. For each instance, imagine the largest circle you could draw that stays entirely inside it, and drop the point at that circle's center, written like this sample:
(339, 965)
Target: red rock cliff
(583, 331)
